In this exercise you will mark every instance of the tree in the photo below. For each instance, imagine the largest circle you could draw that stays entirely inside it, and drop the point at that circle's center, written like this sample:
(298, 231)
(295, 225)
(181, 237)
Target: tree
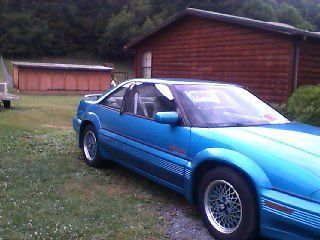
(258, 9)
(119, 30)
(290, 15)
(61, 27)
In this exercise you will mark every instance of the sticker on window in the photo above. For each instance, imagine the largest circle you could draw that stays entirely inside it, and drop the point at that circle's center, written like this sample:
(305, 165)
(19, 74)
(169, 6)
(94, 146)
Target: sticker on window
(203, 96)
(272, 118)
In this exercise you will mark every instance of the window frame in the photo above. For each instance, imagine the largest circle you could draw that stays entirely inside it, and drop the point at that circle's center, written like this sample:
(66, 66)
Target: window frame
(143, 67)
(180, 111)
(100, 103)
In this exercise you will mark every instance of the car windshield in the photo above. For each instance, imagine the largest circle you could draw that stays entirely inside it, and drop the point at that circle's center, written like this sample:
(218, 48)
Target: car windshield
(209, 105)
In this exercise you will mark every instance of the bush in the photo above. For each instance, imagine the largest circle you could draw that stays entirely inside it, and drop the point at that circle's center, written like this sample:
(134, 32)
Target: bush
(304, 105)
(281, 108)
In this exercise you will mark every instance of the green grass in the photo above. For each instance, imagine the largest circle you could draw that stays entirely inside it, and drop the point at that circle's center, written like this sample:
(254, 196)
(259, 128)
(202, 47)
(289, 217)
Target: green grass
(48, 192)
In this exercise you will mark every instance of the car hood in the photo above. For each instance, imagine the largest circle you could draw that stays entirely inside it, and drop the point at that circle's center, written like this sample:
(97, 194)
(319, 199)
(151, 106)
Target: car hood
(298, 136)
(294, 142)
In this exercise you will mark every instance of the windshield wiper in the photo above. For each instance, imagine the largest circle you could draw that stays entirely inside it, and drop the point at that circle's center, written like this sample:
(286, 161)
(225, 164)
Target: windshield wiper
(237, 125)
(230, 125)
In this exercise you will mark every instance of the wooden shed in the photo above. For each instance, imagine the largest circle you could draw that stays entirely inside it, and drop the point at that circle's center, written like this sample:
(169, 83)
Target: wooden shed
(60, 78)
(271, 59)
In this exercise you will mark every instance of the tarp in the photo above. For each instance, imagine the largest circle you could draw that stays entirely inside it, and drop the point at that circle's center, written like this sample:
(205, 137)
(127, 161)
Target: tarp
(7, 77)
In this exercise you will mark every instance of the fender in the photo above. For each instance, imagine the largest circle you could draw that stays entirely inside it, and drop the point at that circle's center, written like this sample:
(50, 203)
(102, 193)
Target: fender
(231, 158)
(93, 118)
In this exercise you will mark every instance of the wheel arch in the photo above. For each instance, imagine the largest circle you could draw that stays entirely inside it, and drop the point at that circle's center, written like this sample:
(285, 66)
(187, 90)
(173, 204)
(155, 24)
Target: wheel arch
(211, 158)
(90, 119)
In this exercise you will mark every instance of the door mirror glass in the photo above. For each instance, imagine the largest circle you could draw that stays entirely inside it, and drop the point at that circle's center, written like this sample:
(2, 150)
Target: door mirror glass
(171, 118)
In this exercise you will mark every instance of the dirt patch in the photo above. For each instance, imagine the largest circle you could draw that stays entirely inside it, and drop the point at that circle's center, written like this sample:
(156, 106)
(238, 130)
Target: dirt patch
(184, 222)
(56, 127)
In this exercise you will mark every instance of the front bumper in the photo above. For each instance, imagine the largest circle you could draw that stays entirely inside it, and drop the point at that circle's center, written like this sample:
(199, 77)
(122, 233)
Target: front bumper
(287, 217)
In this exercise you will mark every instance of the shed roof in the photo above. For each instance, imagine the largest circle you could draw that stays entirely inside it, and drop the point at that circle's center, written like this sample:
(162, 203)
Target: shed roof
(62, 66)
(268, 26)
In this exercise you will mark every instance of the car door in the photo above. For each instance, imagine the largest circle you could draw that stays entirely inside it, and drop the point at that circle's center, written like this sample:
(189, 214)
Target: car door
(108, 112)
(161, 150)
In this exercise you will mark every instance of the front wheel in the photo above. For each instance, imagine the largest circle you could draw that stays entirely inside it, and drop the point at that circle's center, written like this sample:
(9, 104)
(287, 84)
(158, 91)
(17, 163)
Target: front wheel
(90, 147)
(227, 205)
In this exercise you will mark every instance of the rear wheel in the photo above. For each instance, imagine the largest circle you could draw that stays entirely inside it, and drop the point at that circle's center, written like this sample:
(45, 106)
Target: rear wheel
(227, 205)
(90, 147)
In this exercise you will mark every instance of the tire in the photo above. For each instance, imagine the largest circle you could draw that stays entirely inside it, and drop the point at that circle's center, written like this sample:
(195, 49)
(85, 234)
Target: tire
(225, 220)
(6, 104)
(90, 146)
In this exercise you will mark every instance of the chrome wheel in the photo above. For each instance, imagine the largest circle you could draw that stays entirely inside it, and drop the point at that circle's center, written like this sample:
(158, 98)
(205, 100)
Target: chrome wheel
(223, 206)
(90, 145)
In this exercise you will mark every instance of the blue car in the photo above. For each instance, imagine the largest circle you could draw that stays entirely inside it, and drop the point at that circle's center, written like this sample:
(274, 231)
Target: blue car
(250, 171)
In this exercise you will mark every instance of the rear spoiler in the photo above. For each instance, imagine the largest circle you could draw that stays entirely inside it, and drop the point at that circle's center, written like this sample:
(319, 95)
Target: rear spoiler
(92, 97)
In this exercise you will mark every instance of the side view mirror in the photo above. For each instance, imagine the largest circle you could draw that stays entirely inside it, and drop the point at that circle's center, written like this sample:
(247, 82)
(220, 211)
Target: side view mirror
(171, 118)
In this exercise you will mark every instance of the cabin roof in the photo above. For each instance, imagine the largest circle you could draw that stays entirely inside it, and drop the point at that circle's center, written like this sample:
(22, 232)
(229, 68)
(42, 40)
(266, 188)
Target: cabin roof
(280, 28)
(62, 66)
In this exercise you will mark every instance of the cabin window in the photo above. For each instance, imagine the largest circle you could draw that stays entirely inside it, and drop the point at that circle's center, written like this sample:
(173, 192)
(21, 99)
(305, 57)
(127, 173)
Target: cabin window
(146, 100)
(147, 64)
(115, 99)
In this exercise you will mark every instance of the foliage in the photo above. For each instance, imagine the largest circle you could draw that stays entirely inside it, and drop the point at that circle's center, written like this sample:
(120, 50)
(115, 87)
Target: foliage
(304, 105)
(103, 27)
(258, 9)
(289, 14)
(281, 108)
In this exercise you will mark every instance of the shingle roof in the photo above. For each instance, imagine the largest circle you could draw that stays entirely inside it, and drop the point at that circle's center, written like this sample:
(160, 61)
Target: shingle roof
(62, 66)
(268, 26)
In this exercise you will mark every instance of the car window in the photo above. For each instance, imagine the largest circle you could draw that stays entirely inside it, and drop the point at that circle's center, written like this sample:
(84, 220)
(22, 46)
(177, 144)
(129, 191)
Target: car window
(145, 100)
(210, 105)
(115, 99)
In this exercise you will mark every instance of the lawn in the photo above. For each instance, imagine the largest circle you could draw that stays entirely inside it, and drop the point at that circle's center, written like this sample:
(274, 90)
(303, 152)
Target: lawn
(48, 192)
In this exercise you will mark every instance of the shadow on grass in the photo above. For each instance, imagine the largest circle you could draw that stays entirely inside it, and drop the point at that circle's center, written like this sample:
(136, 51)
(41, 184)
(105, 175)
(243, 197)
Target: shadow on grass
(161, 192)
(23, 108)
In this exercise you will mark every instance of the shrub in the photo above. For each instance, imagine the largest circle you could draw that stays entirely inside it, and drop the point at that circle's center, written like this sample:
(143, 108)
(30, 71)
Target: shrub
(281, 108)
(304, 105)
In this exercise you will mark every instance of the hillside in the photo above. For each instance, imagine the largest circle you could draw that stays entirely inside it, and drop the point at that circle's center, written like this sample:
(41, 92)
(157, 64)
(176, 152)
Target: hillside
(102, 27)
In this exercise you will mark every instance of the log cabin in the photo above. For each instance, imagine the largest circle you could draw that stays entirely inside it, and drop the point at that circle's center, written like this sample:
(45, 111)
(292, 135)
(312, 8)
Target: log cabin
(271, 59)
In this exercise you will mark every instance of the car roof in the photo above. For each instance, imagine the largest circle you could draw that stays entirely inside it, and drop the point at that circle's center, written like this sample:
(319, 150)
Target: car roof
(183, 81)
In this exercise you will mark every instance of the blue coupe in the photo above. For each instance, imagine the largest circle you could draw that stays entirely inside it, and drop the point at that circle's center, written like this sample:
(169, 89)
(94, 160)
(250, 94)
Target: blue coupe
(250, 170)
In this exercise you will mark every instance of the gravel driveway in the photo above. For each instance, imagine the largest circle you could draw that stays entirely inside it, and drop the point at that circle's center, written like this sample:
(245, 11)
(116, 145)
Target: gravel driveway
(184, 222)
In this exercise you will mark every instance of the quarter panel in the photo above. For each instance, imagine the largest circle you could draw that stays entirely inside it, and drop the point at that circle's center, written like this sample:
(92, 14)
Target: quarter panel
(92, 117)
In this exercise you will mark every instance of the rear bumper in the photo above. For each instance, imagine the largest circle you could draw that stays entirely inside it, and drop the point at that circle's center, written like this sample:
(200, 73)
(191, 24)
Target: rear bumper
(287, 217)
(76, 123)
